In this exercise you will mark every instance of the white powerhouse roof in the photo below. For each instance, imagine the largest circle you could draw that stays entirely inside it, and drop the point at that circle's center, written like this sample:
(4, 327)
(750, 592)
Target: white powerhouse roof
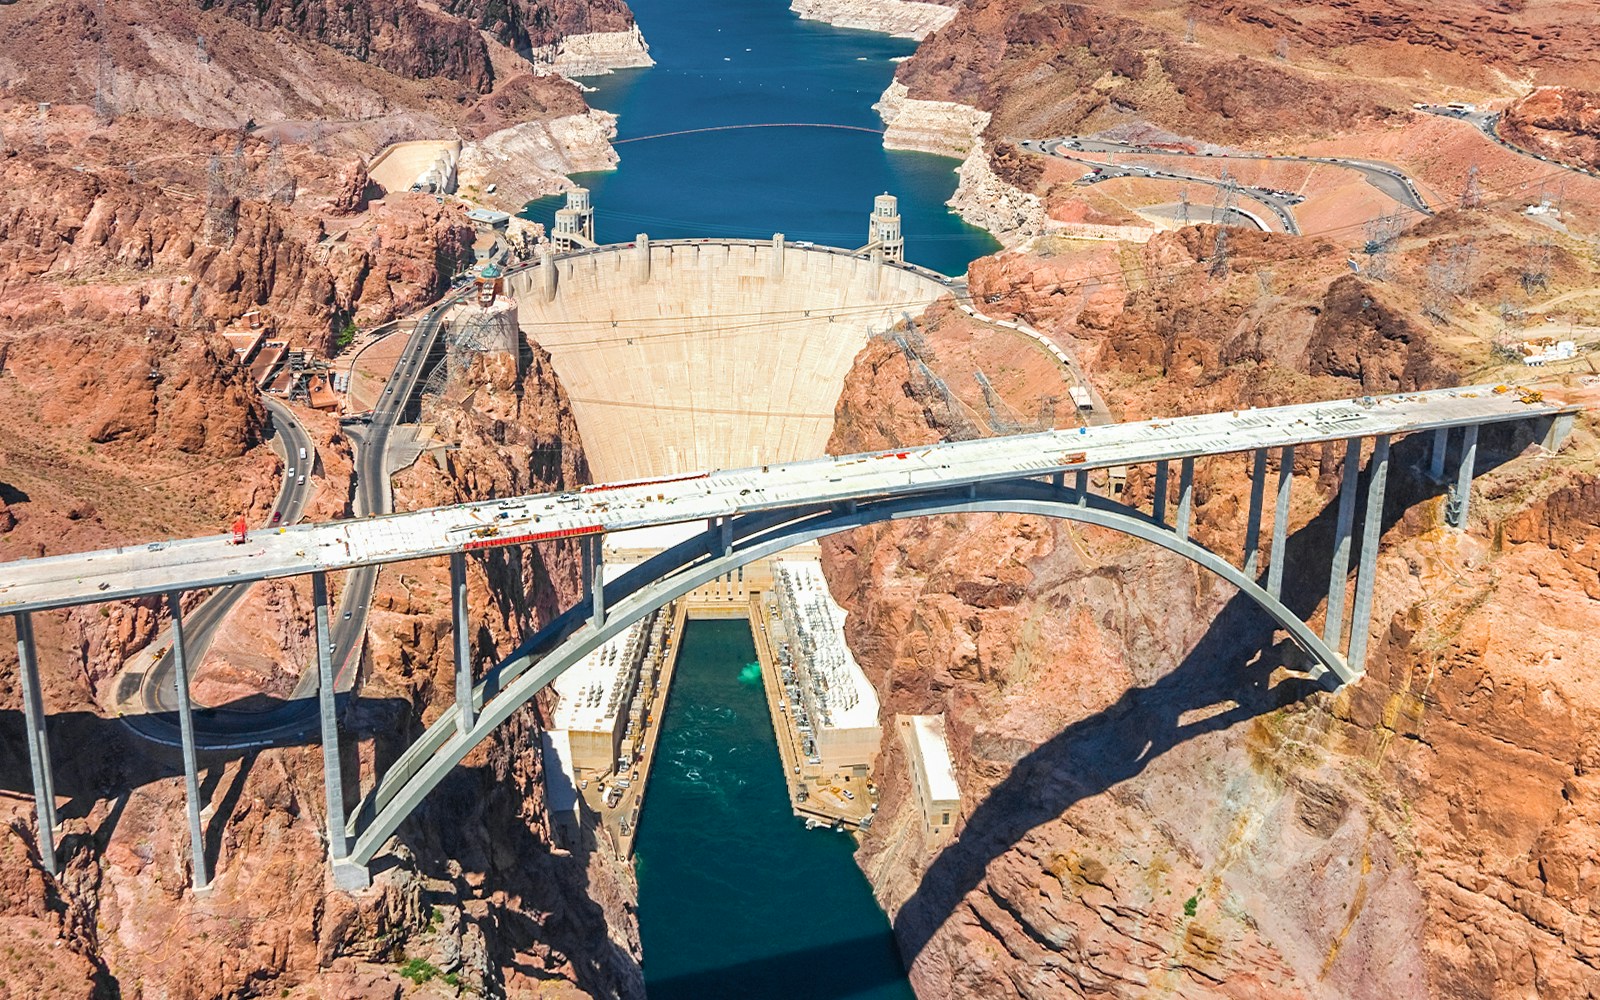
(596, 689)
(928, 731)
(133, 570)
(852, 702)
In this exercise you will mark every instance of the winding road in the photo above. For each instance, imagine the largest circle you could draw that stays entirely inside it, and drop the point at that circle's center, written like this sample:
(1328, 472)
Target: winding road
(1386, 177)
(1488, 122)
(153, 692)
(154, 689)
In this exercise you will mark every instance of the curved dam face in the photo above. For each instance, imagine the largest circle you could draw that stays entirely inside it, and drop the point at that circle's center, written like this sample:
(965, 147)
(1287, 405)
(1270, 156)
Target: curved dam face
(709, 354)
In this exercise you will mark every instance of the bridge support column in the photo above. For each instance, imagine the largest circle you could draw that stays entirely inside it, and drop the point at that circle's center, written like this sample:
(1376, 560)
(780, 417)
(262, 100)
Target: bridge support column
(1058, 480)
(1252, 529)
(332, 771)
(1333, 624)
(1185, 497)
(1441, 441)
(1159, 511)
(597, 583)
(1082, 485)
(191, 777)
(1280, 521)
(1455, 510)
(44, 790)
(463, 641)
(1371, 531)
(1560, 429)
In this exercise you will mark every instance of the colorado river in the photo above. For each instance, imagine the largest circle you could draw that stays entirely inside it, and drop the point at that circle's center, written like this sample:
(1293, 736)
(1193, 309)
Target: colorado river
(741, 62)
(736, 898)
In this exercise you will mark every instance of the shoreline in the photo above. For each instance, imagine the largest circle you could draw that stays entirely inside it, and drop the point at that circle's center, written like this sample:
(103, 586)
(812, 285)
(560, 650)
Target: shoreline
(899, 18)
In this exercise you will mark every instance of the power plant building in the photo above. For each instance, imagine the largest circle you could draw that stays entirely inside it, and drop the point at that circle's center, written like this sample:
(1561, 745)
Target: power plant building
(835, 707)
(604, 699)
(933, 776)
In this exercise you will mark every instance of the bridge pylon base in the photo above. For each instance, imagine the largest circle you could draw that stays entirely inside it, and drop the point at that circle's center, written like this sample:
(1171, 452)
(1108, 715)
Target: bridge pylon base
(351, 876)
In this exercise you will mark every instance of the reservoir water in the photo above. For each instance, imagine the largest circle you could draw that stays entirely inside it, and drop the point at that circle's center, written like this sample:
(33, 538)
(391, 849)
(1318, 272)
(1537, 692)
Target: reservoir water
(742, 62)
(737, 899)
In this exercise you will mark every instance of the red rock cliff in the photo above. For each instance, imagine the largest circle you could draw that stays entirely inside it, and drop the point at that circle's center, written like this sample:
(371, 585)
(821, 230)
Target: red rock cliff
(1153, 802)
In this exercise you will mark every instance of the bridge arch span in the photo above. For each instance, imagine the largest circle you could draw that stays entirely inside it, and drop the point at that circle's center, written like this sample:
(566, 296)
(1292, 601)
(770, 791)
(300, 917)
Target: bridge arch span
(679, 570)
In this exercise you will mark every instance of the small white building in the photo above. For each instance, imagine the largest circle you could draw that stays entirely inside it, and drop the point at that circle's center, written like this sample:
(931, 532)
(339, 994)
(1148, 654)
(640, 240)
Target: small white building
(933, 774)
(561, 788)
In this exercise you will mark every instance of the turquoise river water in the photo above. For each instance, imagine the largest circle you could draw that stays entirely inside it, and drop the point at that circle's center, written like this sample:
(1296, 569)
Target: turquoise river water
(737, 899)
(743, 62)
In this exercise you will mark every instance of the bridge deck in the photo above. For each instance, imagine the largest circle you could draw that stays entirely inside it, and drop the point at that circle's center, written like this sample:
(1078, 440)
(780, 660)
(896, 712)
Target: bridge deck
(131, 571)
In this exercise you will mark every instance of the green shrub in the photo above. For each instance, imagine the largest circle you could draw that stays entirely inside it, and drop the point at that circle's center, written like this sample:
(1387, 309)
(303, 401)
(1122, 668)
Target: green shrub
(419, 970)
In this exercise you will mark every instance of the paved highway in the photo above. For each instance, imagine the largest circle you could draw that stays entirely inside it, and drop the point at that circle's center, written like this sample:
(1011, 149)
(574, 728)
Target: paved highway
(1386, 177)
(154, 688)
(216, 729)
(1488, 122)
(130, 571)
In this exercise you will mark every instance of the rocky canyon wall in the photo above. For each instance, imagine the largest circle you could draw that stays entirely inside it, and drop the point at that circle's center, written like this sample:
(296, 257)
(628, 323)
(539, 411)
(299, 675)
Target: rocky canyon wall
(1155, 801)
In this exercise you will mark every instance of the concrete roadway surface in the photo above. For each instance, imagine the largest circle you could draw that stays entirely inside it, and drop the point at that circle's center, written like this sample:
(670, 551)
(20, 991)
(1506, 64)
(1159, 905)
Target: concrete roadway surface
(1488, 122)
(1386, 177)
(130, 571)
(156, 690)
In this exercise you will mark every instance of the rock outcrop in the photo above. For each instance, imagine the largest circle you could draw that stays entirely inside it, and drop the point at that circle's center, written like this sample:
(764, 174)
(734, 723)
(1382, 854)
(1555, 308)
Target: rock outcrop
(594, 53)
(984, 199)
(943, 127)
(1560, 123)
(533, 159)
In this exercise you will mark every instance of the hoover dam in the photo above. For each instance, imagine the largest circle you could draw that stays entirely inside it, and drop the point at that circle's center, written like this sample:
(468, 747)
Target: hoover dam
(690, 355)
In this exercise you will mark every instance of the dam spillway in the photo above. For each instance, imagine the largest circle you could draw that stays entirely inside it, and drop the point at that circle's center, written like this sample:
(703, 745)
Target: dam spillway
(705, 354)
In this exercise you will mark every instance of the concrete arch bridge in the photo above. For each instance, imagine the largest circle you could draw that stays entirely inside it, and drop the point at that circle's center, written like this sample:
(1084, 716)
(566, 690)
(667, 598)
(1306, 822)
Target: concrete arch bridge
(753, 513)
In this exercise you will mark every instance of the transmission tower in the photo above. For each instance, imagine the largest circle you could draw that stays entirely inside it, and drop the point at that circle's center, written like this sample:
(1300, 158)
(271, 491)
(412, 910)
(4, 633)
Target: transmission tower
(1183, 205)
(279, 184)
(200, 49)
(1000, 422)
(1471, 192)
(222, 208)
(1047, 412)
(1381, 235)
(1536, 269)
(1219, 249)
(927, 387)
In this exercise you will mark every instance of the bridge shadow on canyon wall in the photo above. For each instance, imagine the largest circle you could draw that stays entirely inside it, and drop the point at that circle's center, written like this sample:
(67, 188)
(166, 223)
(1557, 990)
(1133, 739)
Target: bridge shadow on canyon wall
(473, 832)
(97, 759)
(1232, 665)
